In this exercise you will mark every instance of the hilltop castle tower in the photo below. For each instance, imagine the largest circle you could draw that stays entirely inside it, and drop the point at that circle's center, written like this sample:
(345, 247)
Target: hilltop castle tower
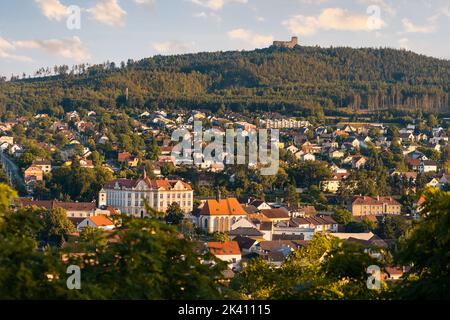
(286, 44)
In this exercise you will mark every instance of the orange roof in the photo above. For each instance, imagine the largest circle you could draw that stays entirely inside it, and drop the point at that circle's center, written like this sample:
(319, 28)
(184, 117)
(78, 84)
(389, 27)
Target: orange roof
(224, 248)
(123, 156)
(421, 200)
(224, 207)
(169, 184)
(101, 221)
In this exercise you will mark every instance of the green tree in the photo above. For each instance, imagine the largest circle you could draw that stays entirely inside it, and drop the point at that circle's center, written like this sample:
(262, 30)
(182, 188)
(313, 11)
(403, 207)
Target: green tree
(56, 225)
(342, 216)
(425, 247)
(392, 227)
(151, 261)
(6, 196)
(174, 214)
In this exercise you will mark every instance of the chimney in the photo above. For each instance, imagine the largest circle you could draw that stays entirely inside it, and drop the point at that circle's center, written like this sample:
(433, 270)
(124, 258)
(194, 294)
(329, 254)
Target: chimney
(378, 198)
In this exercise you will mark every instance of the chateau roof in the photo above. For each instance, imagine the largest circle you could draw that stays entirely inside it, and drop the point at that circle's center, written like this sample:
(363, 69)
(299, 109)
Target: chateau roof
(153, 184)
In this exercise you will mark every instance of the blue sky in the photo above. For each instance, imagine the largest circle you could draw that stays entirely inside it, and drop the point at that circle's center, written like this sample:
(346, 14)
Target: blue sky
(34, 33)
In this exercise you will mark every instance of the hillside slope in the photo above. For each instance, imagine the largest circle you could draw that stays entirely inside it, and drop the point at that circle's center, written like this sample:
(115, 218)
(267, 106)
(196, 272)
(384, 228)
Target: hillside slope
(286, 80)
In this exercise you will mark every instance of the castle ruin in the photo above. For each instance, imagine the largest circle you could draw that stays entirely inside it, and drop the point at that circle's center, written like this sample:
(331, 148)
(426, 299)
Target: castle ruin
(286, 44)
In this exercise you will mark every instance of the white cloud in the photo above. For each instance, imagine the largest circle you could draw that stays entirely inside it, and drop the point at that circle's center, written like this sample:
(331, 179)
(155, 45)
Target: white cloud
(216, 4)
(208, 15)
(148, 3)
(403, 43)
(69, 48)
(384, 5)
(53, 9)
(410, 27)
(108, 12)
(314, 1)
(332, 19)
(250, 38)
(6, 49)
(172, 47)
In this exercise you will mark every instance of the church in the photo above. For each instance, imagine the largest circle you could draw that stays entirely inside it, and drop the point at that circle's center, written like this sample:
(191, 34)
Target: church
(219, 215)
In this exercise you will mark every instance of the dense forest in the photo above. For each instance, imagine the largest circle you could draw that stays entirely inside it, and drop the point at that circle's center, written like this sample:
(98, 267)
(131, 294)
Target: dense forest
(299, 81)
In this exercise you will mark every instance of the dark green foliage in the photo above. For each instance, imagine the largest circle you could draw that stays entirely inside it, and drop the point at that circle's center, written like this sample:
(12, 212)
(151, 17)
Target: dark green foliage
(427, 247)
(304, 80)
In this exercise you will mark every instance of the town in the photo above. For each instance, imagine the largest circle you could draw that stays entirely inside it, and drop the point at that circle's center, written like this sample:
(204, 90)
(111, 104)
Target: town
(358, 181)
(224, 158)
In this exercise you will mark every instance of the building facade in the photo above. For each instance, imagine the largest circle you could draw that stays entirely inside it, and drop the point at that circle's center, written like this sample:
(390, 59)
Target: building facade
(364, 206)
(128, 195)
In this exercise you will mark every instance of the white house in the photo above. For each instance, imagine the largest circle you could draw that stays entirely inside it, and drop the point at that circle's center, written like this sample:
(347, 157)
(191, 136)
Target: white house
(427, 166)
(97, 222)
(228, 251)
(308, 157)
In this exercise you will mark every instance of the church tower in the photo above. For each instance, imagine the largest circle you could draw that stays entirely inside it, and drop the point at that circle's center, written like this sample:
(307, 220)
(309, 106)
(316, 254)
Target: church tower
(102, 198)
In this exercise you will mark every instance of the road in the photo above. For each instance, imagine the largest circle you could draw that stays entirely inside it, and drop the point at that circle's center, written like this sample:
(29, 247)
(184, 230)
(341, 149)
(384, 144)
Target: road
(11, 170)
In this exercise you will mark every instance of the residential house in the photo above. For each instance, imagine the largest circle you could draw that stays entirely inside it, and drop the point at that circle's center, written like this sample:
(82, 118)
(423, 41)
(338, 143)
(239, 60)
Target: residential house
(73, 209)
(7, 139)
(124, 157)
(276, 215)
(34, 173)
(317, 223)
(332, 185)
(45, 165)
(228, 251)
(308, 157)
(260, 205)
(364, 205)
(97, 222)
(427, 166)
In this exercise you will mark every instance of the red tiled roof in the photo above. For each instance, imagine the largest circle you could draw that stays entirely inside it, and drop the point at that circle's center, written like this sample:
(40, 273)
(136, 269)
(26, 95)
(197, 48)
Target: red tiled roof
(50, 204)
(224, 248)
(154, 184)
(101, 221)
(365, 200)
(315, 220)
(225, 207)
(414, 162)
(123, 156)
(75, 206)
(275, 214)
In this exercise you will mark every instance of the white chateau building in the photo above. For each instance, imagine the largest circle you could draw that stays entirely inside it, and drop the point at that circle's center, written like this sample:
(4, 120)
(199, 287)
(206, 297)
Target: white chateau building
(128, 195)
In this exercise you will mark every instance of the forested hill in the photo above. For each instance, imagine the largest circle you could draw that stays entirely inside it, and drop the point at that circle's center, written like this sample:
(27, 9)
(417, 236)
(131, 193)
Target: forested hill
(296, 81)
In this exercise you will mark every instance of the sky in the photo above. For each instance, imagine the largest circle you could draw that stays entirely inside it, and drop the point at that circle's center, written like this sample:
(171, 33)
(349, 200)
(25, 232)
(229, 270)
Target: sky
(41, 33)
